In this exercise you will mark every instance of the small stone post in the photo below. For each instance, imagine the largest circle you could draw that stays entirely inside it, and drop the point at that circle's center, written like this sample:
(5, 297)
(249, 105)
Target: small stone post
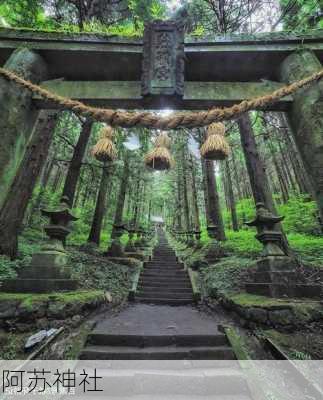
(213, 250)
(306, 116)
(130, 247)
(116, 248)
(48, 270)
(18, 115)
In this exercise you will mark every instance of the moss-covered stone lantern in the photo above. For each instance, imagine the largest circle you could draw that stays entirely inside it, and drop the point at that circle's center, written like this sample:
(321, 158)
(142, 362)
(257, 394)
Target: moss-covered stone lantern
(48, 270)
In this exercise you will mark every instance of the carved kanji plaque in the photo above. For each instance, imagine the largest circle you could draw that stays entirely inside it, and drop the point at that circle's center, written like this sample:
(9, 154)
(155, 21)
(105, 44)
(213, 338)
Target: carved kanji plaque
(163, 59)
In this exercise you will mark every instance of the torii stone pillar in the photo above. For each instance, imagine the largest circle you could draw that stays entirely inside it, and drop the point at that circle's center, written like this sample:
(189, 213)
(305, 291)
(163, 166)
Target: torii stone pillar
(18, 115)
(306, 117)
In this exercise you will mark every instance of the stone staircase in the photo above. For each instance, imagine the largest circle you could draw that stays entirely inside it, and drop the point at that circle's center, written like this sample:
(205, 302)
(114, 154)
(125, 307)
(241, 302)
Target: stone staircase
(162, 324)
(164, 280)
(158, 332)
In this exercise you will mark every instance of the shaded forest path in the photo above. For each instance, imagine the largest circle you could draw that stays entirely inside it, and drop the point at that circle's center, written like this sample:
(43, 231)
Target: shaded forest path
(172, 329)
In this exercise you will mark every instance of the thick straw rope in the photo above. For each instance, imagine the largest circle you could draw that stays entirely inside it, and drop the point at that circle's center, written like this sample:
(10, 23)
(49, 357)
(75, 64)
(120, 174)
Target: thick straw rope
(153, 120)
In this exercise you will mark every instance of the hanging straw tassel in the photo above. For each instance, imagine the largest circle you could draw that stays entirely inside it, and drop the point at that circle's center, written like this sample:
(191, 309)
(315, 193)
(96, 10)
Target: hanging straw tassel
(105, 150)
(216, 146)
(160, 158)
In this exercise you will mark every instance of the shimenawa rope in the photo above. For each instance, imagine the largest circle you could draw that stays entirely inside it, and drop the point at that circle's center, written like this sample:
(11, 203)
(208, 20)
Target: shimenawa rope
(152, 120)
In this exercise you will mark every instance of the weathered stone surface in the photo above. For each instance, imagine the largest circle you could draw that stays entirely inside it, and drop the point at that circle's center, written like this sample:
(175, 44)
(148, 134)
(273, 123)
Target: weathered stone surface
(8, 308)
(258, 315)
(163, 59)
(18, 115)
(30, 311)
(281, 317)
(306, 116)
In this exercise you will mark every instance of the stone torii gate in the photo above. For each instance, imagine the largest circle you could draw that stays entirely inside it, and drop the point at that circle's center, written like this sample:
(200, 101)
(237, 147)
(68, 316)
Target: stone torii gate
(160, 71)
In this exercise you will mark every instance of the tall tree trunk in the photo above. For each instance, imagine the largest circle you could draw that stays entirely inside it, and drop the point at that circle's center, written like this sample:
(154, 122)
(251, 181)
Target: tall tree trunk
(236, 177)
(16, 202)
(185, 191)
(75, 166)
(196, 213)
(232, 203)
(255, 166)
(256, 170)
(205, 193)
(214, 210)
(296, 162)
(179, 201)
(100, 207)
(122, 193)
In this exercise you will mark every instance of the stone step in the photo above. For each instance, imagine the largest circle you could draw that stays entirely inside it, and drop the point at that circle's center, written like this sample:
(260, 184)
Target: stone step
(278, 290)
(166, 264)
(146, 280)
(158, 267)
(170, 285)
(164, 295)
(171, 274)
(105, 339)
(94, 352)
(175, 291)
(169, 302)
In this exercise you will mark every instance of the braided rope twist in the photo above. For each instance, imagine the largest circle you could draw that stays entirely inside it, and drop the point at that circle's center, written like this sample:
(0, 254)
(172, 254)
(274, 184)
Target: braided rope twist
(147, 119)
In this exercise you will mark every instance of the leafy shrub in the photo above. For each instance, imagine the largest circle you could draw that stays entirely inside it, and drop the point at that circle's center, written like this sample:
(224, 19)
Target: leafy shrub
(300, 215)
(227, 275)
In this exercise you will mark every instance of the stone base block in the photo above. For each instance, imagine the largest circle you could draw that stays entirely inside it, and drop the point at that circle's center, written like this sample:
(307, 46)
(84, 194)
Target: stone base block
(275, 263)
(280, 290)
(46, 272)
(279, 277)
(38, 285)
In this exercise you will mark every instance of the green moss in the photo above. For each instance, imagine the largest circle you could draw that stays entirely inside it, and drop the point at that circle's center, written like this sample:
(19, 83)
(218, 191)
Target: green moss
(251, 300)
(76, 343)
(238, 344)
(30, 300)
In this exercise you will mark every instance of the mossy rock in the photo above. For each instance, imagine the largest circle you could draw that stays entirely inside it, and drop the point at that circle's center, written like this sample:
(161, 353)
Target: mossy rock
(279, 313)
(22, 307)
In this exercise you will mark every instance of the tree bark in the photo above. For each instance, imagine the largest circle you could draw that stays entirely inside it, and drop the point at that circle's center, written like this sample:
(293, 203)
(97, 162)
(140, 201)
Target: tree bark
(75, 166)
(306, 117)
(232, 203)
(18, 114)
(256, 169)
(122, 194)
(100, 207)
(185, 191)
(214, 211)
(16, 202)
(196, 213)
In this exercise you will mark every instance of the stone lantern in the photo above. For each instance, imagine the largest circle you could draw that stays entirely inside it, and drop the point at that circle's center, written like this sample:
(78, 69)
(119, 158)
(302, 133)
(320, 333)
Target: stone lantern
(268, 235)
(213, 250)
(48, 270)
(116, 249)
(131, 245)
(276, 274)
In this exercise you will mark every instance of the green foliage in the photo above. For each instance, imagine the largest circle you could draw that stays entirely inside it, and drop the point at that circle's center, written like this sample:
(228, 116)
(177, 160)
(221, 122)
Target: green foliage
(309, 248)
(227, 275)
(96, 272)
(302, 14)
(300, 215)
(242, 243)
